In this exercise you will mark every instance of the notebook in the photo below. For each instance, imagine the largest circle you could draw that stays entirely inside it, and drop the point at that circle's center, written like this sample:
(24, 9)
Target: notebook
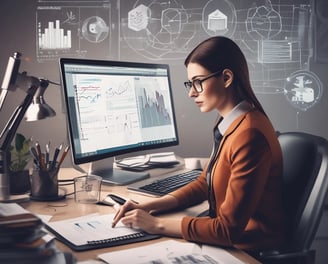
(95, 231)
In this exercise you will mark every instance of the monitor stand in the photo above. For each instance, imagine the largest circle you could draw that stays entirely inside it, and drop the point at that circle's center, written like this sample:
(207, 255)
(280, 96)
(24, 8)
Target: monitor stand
(111, 175)
(119, 177)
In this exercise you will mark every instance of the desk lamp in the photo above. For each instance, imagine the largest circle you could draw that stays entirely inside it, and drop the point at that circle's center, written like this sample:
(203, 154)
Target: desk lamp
(39, 109)
(34, 89)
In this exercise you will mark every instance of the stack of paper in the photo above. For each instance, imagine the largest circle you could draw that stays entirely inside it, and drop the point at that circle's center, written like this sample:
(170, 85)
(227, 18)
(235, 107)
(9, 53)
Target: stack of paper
(145, 162)
(170, 252)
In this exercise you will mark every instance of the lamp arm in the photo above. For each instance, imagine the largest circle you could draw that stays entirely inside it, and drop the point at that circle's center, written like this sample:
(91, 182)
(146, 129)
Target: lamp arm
(16, 119)
(30, 85)
(9, 132)
(8, 124)
(10, 77)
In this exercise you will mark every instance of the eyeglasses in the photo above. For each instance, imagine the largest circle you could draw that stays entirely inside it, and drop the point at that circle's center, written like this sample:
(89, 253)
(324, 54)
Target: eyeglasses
(197, 83)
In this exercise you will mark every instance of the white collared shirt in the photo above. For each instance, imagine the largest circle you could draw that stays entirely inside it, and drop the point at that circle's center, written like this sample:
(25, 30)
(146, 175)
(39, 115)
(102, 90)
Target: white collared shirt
(238, 110)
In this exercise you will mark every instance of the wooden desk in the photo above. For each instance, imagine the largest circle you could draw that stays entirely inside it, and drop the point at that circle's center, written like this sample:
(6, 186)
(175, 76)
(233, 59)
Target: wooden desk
(67, 208)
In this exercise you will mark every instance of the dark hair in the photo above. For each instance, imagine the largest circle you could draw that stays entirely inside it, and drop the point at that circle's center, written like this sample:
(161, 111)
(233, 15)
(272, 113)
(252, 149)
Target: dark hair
(219, 53)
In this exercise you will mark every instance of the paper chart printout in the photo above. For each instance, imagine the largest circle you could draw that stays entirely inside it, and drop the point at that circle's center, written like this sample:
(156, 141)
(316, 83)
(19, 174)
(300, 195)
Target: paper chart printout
(82, 230)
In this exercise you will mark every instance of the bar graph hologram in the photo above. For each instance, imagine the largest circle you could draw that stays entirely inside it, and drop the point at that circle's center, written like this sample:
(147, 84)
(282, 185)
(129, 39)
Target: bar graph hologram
(54, 37)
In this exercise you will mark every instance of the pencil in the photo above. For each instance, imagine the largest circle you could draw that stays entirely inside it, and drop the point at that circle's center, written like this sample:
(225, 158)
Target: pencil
(63, 156)
(38, 148)
(47, 153)
(41, 158)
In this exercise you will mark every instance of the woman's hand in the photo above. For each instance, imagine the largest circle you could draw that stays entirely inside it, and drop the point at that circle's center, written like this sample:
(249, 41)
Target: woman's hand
(138, 218)
(133, 216)
(127, 206)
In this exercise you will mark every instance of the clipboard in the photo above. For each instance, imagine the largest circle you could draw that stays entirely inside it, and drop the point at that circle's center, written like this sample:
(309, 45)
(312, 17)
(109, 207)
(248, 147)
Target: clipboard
(95, 231)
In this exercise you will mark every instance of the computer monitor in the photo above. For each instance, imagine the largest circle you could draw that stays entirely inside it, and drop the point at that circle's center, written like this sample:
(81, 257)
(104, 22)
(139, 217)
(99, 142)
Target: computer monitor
(115, 108)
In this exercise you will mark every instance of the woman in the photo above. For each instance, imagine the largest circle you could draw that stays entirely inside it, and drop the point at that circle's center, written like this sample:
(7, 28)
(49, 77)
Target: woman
(242, 180)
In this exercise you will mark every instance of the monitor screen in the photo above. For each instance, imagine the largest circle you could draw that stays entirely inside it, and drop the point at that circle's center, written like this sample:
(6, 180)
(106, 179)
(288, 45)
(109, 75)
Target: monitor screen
(116, 107)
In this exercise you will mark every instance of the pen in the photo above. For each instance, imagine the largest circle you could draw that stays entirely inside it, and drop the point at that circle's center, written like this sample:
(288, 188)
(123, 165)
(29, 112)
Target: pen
(35, 156)
(54, 160)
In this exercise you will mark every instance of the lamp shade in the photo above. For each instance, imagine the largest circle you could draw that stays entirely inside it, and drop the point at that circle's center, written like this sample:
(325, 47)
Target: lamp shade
(39, 109)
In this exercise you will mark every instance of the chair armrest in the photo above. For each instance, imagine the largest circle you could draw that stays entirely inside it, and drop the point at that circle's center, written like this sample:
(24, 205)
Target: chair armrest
(306, 257)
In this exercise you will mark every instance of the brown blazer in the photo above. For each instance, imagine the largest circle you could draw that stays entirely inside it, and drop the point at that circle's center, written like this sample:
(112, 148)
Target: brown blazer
(247, 184)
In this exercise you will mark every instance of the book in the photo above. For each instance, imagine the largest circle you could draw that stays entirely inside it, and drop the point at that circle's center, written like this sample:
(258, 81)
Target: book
(18, 225)
(95, 231)
(15, 216)
(22, 231)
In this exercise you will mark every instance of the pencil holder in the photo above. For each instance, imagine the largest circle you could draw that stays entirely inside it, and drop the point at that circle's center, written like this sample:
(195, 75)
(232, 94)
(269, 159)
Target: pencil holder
(44, 184)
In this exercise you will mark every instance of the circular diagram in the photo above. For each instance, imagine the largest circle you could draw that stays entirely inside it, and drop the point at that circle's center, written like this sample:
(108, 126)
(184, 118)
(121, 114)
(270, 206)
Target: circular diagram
(95, 29)
(303, 89)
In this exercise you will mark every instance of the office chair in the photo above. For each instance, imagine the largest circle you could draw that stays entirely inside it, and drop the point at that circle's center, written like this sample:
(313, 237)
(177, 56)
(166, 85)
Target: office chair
(305, 178)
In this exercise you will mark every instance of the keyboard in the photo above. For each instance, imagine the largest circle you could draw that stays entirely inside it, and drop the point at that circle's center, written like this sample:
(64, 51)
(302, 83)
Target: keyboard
(168, 184)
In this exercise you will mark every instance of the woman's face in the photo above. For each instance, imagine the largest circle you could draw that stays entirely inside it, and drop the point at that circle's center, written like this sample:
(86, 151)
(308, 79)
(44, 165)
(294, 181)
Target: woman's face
(215, 94)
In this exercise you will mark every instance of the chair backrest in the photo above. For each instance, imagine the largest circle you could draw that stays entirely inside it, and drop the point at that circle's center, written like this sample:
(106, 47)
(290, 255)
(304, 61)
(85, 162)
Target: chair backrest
(305, 170)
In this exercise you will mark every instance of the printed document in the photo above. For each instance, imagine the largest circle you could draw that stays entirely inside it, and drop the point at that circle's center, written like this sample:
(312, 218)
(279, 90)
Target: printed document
(170, 252)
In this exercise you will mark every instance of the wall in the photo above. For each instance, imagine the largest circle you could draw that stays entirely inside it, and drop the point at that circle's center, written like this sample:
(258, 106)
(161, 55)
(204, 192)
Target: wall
(284, 41)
